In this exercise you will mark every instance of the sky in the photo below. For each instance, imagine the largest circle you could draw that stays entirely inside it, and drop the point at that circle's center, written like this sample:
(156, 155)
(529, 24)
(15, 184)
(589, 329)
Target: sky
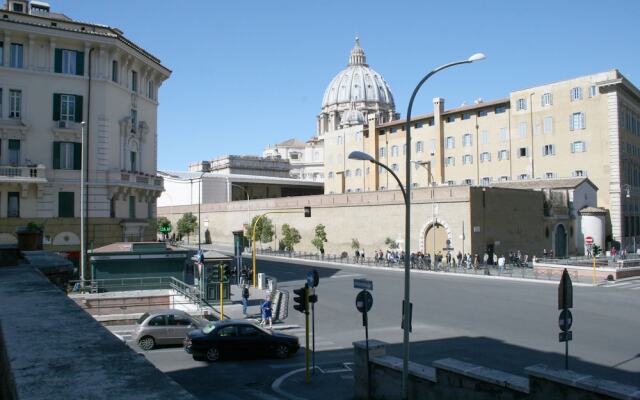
(247, 74)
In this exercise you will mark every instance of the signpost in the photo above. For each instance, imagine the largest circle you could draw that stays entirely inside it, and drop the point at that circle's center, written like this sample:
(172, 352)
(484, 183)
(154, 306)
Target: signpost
(565, 320)
(588, 240)
(313, 278)
(364, 302)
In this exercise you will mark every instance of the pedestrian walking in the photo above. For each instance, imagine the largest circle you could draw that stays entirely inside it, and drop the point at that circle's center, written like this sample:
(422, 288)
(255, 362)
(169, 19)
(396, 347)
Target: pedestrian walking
(244, 275)
(245, 299)
(266, 312)
(501, 262)
(357, 257)
(322, 252)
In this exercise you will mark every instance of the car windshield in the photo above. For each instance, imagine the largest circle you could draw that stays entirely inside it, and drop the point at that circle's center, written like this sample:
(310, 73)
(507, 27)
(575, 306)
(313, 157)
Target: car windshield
(209, 328)
(142, 318)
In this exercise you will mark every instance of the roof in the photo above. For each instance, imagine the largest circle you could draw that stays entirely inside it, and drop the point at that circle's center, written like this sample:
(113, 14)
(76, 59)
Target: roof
(539, 184)
(291, 143)
(236, 178)
(592, 210)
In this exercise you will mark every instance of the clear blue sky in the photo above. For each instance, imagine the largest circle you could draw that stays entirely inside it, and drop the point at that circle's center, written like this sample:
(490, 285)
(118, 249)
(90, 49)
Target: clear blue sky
(251, 73)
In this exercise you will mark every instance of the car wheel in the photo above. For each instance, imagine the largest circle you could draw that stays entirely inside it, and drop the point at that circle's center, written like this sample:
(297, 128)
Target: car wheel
(147, 343)
(213, 354)
(282, 351)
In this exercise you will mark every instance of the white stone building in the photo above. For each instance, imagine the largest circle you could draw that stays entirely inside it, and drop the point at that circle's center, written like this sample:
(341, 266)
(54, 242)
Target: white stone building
(307, 159)
(54, 74)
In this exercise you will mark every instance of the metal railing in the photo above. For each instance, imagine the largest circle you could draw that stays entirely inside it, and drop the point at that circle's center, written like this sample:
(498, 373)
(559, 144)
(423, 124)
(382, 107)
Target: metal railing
(121, 284)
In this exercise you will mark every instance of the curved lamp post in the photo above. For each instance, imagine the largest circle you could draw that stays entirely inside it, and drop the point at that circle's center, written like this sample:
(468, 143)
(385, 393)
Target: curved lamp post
(406, 192)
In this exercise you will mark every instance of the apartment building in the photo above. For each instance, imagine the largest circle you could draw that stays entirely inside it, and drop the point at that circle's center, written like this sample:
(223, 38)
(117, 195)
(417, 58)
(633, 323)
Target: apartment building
(60, 79)
(583, 127)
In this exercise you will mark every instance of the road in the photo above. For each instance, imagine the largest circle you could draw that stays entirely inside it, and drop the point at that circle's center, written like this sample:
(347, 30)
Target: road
(503, 324)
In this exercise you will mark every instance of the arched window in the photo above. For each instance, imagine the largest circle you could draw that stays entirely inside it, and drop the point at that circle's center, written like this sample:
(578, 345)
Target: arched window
(358, 172)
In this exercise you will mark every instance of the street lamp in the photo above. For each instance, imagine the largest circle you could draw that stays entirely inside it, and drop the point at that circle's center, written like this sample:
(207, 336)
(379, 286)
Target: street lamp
(200, 201)
(407, 244)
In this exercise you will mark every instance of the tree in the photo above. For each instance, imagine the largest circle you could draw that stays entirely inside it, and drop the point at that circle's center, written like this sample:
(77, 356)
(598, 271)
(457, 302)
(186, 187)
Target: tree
(355, 244)
(164, 226)
(187, 224)
(391, 243)
(264, 229)
(290, 236)
(321, 237)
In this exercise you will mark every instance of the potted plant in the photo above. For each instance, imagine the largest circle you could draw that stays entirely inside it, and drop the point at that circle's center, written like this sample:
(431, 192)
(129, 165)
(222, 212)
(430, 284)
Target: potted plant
(30, 236)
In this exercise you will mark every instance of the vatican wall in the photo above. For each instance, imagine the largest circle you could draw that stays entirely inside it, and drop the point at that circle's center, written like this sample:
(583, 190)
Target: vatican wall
(372, 217)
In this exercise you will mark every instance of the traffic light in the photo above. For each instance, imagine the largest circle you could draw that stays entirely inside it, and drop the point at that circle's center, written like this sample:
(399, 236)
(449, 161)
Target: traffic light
(313, 298)
(227, 272)
(302, 299)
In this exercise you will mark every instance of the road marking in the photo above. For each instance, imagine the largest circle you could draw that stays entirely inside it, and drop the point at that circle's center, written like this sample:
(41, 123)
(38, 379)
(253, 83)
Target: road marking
(276, 384)
(635, 288)
(261, 395)
(345, 276)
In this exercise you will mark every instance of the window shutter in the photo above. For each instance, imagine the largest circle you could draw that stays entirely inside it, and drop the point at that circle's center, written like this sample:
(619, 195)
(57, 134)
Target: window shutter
(583, 121)
(571, 122)
(80, 63)
(56, 107)
(56, 155)
(58, 61)
(78, 116)
(65, 204)
(77, 156)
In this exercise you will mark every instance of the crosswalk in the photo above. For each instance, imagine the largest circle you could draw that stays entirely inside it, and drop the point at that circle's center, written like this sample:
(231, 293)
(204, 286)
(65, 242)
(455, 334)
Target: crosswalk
(633, 284)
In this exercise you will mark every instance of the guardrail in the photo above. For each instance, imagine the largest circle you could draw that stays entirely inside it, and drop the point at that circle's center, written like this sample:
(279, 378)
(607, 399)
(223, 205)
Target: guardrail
(121, 284)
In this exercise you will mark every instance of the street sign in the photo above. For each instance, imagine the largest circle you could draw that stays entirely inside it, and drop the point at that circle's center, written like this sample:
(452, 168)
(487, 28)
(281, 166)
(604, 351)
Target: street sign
(364, 301)
(362, 284)
(165, 229)
(313, 278)
(565, 320)
(588, 240)
(566, 336)
(565, 291)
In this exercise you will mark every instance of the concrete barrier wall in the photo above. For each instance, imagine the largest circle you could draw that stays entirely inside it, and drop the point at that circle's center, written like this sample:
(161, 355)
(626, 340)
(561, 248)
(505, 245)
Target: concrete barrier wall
(450, 379)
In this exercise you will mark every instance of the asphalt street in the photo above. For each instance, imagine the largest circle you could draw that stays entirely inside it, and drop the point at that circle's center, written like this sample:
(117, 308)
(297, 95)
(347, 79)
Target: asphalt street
(502, 324)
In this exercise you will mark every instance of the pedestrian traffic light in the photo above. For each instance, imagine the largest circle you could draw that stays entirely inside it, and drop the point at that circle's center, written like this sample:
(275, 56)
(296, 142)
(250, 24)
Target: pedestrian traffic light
(307, 212)
(302, 299)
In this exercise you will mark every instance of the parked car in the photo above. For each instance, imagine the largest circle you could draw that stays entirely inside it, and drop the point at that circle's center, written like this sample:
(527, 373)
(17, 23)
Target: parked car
(238, 338)
(164, 327)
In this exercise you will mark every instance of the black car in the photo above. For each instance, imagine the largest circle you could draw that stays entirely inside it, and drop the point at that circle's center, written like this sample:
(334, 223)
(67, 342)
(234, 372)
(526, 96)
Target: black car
(238, 338)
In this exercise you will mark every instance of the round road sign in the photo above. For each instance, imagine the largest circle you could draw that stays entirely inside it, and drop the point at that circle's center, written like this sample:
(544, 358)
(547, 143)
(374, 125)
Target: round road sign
(565, 321)
(313, 278)
(588, 239)
(364, 299)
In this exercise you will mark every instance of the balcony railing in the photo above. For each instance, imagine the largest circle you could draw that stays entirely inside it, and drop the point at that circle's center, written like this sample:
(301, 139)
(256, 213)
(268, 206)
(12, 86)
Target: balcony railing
(139, 178)
(22, 172)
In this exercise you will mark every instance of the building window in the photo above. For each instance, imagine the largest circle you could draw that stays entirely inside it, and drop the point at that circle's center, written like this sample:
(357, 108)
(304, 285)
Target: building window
(418, 125)
(450, 183)
(523, 152)
(67, 155)
(347, 173)
(485, 156)
(150, 89)
(451, 118)
(13, 204)
(504, 135)
(134, 120)
(395, 168)
(114, 71)
(133, 164)
(15, 104)
(330, 176)
(485, 137)
(132, 206)
(500, 109)
(593, 91)
(381, 151)
(467, 159)
(112, 207)
(467, 140)
(358, 172)
(67, 107)
(523, 177)
(66, 205)
(394, 151)
(419, 147)
(521, 104)
(522, 130)
(357, 137)
(578, 172)
(482, 113)
(69, 62)
(16, 56)
(466, 116)
(578, 147)
(450, 142)
(134, 81)
(382, 188)
(503, 155)
(548, 150)
(504, 178)
(547, 99)
(549, 175)
(467, 181)
(430, 122)
(547, 125)
(449, 161)
(486, 181)
(576, 93)
(393, 130)
(339, 139)
(1, 53)
(577, 121)
(14, 152)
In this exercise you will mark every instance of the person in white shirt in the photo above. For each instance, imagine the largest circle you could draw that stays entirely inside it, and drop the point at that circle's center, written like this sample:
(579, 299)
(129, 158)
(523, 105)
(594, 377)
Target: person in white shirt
(501, 261)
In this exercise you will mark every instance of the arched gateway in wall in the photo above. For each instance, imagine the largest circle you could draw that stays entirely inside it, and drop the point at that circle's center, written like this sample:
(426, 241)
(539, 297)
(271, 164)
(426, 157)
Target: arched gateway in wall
(440, 231)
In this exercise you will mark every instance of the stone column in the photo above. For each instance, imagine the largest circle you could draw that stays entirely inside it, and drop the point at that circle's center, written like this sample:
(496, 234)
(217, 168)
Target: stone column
(7, 49)
(52, 55)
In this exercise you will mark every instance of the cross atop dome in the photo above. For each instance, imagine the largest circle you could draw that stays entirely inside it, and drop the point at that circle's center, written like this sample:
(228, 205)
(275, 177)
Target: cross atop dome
(357, 56)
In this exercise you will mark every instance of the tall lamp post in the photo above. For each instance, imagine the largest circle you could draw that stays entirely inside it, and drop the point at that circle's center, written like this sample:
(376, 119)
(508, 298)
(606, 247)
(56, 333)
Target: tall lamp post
(200, 201)
(406, 191)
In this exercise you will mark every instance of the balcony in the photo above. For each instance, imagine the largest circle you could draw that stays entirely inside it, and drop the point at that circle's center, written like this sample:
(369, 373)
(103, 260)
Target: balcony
(137, 180)
(67, 130)
(23, 174)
